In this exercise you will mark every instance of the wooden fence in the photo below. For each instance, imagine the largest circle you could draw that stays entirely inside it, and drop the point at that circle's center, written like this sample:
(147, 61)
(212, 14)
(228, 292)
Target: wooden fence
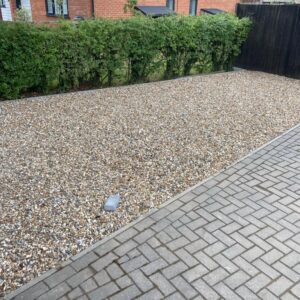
(274, 42)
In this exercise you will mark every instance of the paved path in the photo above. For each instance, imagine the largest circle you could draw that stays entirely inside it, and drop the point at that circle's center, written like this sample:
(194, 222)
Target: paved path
(236, 236)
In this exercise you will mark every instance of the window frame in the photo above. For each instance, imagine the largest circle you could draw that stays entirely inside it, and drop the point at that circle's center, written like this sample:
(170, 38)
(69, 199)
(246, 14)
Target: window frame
(194, 13)
(54, 14)
(173, 6)
(2, 4)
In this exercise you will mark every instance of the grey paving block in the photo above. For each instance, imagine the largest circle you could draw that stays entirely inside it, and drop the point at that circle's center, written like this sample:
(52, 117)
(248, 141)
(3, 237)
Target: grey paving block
(245, 293)
(214, 249)
(102, 278)
(148, 252)
(291, 259)
(215, 276)
(184, 287)
(162, 283)
(60, 276)
(253, 253)
(244, 265)
(126, 247)
(172, 232)
(126, 235)
(178, 243)
(196, 246)
(205, 290)
(144, 236)
(104, 292)
(89, 285)
(134, 264)
(80, 277)
(296, 290)
(141, 281)
(206, 260)
(124, 281)
(166, 254)
(104, 261)
(56, 292)
(233, 251)
(143, 224)
(271, 256)
(286, 271)
(161, 225)
(174, 270)
(207, 236)
(33, 292)
(114, 271)
(186, 257)
(226, 292)
(129, 293)
(258, 282)
(75, 293)
(84, 261)
(236, 279)
(266, 269)
(154, 294)
(189, 234)
(195, 273)
(106, 247)
(154, 266)
(279, 286)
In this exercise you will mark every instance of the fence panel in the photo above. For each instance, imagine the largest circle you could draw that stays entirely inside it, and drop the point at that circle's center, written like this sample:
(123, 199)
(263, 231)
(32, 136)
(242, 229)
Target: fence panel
(274, 42)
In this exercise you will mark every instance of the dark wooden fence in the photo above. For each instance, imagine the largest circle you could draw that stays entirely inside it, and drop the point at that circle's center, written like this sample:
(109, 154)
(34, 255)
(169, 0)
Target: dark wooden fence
(274, 42)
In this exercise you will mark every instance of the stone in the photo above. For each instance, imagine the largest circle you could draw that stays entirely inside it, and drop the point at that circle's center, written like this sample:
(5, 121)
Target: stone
(112, 202)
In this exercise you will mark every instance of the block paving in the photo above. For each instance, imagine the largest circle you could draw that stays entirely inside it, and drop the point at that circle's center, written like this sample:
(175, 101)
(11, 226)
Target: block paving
(235, 236)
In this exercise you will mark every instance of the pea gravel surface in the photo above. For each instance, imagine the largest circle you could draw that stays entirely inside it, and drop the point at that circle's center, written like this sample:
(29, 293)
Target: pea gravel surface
(61, 156)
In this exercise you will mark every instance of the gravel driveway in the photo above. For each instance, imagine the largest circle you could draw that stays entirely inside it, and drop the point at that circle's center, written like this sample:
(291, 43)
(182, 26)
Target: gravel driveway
(61, 156)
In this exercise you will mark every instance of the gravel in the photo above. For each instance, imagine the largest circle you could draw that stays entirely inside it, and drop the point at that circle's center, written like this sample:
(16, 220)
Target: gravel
(62, 156)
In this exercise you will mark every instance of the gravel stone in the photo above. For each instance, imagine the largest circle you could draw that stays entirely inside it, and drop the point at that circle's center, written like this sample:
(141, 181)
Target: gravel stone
(61, 156)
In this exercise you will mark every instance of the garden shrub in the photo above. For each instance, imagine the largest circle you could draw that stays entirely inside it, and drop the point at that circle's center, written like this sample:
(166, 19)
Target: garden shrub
(43, 59)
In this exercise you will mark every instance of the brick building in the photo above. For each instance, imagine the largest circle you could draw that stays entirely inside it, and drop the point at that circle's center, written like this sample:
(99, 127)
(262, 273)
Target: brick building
(48, 10)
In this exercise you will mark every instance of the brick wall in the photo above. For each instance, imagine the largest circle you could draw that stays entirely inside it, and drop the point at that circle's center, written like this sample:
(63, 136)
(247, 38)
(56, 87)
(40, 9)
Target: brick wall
(114, 8)
(76, 8)
(13, 8)
(227, 5)
(80, 8)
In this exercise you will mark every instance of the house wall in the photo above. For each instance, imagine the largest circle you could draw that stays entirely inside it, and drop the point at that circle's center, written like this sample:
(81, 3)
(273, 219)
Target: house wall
(75, 8)
(39, 14)
(183, 6)
(107, 8)
(80, 8)
(115, 8)
(227, 5)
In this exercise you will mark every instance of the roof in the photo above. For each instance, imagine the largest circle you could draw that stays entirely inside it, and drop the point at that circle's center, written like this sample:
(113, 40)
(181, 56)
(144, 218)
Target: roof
(154, 11)
(213, 11)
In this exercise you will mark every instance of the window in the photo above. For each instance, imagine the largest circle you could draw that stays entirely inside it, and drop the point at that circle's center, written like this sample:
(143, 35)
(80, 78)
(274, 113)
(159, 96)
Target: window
(53, 9)
(171, 4)
(2, 3)
(193, 7)
(18, 4)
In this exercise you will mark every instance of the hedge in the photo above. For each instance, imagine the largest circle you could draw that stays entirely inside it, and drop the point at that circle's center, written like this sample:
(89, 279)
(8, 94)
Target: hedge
(98, 53)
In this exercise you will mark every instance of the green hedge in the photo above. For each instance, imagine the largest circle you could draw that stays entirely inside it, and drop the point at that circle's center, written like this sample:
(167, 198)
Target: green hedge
(98, 53)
